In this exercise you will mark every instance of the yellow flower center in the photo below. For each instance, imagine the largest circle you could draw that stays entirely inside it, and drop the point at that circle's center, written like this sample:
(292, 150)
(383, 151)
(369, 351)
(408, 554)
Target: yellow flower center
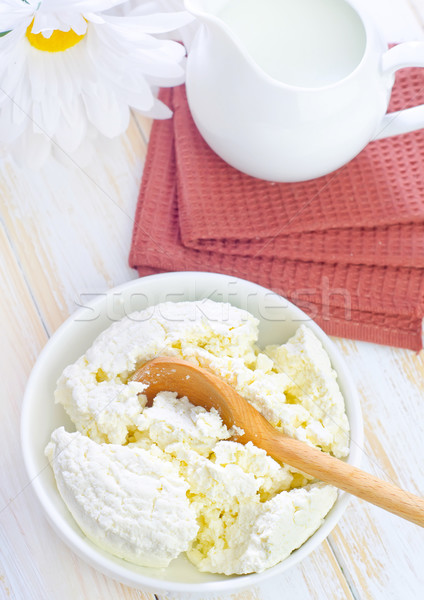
(57, 42)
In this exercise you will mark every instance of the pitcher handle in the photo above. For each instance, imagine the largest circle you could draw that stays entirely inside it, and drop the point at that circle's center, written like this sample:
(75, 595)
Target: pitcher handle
(409, 54)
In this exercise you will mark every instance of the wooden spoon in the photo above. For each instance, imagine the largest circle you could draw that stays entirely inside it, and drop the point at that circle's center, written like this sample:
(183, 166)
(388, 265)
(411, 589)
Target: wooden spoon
(206, 389)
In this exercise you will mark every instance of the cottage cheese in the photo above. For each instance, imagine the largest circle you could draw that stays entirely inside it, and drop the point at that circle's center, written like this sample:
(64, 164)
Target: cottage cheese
(129, 501)
(147, 483)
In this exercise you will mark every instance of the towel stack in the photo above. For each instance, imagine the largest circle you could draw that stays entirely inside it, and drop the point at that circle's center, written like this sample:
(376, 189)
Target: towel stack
(347, 248)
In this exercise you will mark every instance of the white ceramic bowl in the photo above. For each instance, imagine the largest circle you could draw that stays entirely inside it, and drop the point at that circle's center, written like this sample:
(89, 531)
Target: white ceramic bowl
(279, 319)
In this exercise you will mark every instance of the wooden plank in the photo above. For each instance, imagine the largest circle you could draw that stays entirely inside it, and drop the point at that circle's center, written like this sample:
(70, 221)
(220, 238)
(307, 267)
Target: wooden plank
(144, 124)
(35, 564)
(318, 576)
(69, 234)
(71, 227)
(417, 7)
(381, 555)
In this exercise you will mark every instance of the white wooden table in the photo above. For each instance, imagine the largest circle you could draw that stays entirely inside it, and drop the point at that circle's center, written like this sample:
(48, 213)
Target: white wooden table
(65, 234)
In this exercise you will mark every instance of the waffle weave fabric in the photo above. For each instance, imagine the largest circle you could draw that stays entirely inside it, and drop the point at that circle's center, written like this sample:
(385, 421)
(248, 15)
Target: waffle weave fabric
(347, 248)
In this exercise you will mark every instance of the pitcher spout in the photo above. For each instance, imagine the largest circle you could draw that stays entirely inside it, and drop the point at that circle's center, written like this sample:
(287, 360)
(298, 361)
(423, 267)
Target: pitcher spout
(206, 11)
(211, 14)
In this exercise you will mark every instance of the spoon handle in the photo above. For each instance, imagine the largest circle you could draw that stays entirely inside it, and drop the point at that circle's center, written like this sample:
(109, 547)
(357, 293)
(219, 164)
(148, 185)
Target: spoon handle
(345, 476)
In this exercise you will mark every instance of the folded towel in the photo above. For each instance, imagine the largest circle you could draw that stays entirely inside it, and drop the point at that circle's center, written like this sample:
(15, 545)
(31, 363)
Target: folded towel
(348, 248)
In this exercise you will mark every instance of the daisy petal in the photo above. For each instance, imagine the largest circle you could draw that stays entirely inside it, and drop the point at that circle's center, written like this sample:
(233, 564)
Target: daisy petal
(46, 24)
(159, 111)
(154, 23)
(79, 6)
(9, 129)
(33, 149)
(13, 12)
(110, 117)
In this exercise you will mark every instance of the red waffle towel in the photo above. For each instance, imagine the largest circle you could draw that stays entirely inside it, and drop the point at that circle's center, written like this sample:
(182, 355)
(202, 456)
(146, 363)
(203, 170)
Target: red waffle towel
(348, 248)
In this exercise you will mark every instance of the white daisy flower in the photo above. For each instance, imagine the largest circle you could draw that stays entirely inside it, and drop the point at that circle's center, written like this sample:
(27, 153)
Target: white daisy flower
(68, 67)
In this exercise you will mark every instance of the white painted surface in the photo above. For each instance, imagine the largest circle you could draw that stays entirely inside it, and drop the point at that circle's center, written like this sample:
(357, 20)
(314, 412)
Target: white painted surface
(65, 234)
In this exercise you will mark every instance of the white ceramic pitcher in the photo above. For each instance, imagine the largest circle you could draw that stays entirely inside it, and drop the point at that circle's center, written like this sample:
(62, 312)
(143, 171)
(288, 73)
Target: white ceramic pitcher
(289, 90)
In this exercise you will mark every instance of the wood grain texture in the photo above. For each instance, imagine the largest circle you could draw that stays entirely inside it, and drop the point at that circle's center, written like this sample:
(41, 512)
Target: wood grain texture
(71, 227)
(373, 547)
(144, 124)
(64, 237)
(34, 562)
(417, 7)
